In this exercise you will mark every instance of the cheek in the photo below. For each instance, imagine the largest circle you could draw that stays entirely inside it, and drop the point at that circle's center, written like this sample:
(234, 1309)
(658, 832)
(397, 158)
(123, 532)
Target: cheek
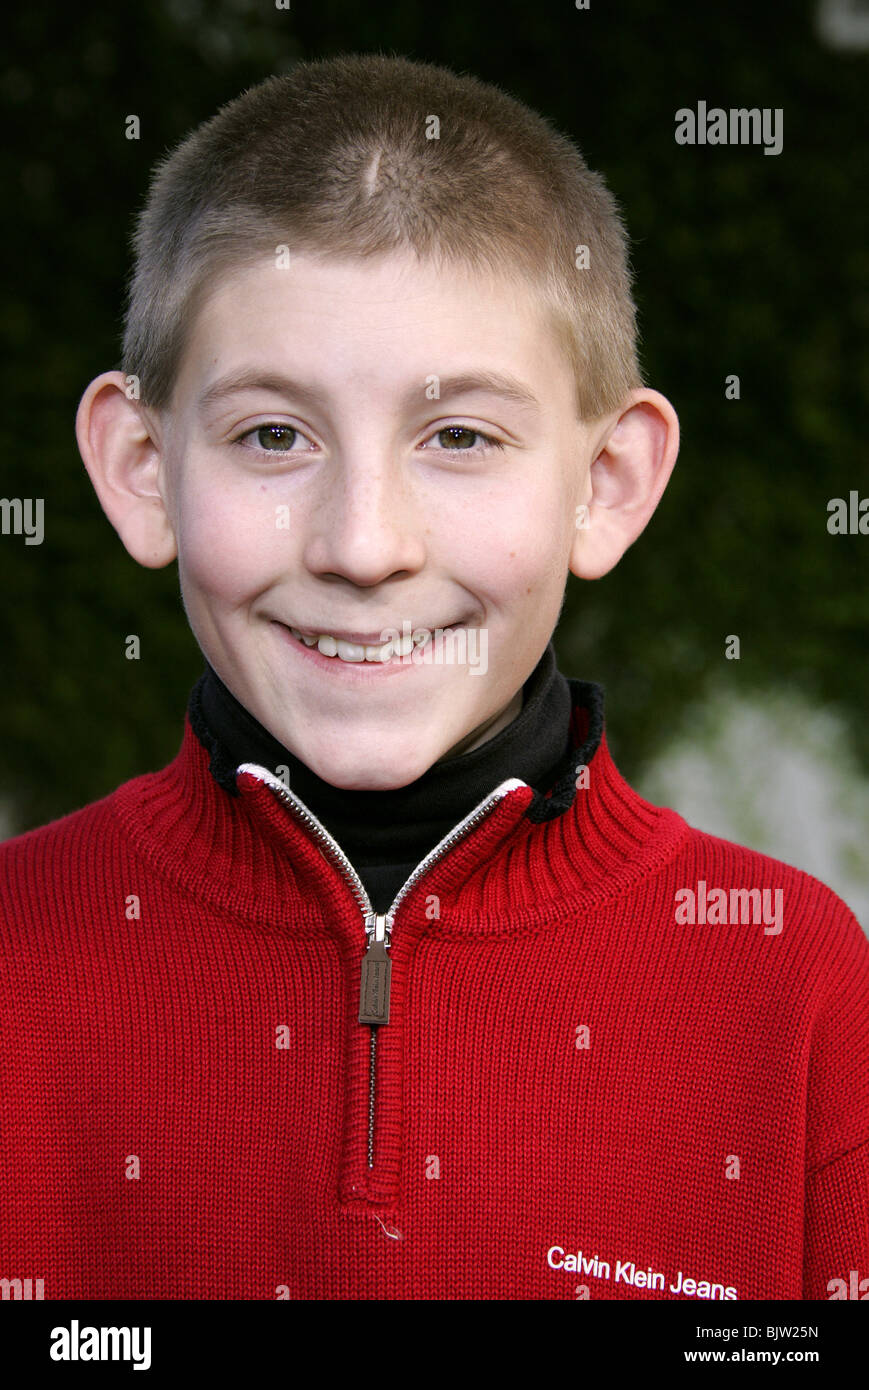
(228, 538)
(520, 547)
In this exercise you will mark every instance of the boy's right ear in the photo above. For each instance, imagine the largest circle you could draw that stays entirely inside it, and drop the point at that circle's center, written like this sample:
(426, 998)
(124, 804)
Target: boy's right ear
(123, 461)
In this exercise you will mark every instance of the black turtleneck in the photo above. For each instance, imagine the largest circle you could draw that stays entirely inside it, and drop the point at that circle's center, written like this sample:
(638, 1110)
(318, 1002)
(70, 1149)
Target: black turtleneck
(385, 834)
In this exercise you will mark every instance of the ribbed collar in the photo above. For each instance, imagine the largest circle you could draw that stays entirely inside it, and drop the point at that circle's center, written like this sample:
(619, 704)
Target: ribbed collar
(385, 834)
(531, 860)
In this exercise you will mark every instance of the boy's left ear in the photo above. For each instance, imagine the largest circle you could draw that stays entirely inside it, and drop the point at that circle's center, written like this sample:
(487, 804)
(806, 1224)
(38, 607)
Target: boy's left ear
(630, 469)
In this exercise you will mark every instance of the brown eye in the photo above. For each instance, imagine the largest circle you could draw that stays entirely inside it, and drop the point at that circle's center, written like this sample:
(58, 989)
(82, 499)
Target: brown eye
(276, 438)
(453, 435)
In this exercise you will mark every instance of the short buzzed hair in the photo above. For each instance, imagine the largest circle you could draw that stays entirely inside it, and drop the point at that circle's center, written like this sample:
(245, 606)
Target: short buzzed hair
(361, 155)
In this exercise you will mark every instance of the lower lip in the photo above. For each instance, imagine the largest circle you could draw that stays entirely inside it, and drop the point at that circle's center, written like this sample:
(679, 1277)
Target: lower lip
(348, 670)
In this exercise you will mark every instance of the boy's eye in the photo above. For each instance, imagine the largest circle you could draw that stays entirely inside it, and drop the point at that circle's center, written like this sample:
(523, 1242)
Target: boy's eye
(275, 439)
(456, 433)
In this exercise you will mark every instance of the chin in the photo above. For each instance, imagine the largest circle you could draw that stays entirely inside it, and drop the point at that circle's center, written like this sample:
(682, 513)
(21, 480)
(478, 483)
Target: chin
(374, 774)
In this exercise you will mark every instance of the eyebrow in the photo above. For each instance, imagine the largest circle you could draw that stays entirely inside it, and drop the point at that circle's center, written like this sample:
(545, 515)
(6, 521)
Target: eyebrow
(501, 384)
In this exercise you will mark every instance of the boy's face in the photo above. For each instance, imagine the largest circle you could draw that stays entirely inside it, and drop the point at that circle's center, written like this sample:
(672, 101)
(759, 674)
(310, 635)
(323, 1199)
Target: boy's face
(323, 496)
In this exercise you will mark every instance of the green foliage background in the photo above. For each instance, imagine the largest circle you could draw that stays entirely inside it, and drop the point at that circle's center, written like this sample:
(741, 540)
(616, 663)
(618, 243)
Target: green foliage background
(745, 264)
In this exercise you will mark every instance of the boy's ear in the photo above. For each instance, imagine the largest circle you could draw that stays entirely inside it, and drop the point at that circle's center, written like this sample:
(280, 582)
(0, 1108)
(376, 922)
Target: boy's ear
(123, 462)
(628, 474)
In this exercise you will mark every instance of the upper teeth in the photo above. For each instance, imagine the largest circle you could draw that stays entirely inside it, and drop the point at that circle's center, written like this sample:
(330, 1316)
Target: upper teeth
(355, 651)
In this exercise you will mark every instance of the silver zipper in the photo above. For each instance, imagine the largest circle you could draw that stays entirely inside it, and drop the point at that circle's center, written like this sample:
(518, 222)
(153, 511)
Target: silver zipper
(376, 965)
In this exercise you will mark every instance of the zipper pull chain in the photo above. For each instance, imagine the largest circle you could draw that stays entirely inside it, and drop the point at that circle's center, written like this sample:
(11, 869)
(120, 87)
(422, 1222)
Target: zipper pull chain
(376, 975)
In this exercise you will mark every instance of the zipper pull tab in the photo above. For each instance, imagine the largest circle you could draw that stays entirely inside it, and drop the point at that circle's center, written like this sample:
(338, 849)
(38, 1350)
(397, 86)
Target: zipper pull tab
(376, 974)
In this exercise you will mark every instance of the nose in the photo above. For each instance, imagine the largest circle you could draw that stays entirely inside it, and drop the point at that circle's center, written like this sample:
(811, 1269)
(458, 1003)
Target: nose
(367, 526)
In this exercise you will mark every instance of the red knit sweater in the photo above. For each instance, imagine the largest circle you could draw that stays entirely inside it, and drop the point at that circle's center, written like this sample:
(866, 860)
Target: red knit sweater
(578, 1092)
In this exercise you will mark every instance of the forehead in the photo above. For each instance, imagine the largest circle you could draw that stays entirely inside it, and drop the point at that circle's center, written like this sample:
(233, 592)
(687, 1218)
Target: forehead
(394, 287)
(376, 324)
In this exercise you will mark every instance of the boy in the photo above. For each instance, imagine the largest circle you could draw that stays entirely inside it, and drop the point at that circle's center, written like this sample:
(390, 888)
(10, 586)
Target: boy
(389, 985)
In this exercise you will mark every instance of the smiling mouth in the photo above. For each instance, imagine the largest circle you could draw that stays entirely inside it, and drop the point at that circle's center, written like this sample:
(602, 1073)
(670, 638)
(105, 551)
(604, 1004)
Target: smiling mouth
(376, 653)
